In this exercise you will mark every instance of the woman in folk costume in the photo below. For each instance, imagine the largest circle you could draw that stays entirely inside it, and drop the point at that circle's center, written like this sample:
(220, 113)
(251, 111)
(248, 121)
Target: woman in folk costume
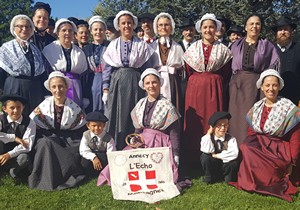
(251, 56)
(270, 153)
(209, 72)
(94, 53)
(60, 124)
(126, 57)
(167, 59)
(67, 58)
(21, 64)
(156, 119)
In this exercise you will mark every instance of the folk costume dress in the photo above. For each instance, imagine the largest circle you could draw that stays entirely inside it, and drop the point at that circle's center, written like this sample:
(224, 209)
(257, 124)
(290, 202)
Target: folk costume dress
(247, 63)
(93, 82)
(72, 62)
(128, 60)
(272, 144)
(167, 59)
(22, 72)
(158, 123)
(56, 162)
(205, 92)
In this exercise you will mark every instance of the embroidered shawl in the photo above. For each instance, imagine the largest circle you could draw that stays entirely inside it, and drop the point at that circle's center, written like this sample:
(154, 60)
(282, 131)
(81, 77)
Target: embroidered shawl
(72, 117)
(163, 116)
(14, 61)
(265, 56)
(283, 116)
(219, 56)
(174, 57)
(140, 53)
(56, 58)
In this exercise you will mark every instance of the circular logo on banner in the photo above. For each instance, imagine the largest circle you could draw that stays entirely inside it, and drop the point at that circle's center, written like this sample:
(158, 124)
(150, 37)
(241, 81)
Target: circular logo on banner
(120, 160)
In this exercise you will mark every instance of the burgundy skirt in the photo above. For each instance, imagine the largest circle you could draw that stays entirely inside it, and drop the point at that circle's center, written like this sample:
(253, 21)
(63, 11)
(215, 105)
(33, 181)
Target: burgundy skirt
(264, 167)
(204, 96)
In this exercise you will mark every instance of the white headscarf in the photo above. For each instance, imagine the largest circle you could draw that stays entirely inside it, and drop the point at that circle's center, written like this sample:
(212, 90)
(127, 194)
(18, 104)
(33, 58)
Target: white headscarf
(124, 12)
(97, 18)
(63, 20)
(269, 72)
(12, 25)
(163, 14)
(146, 73)
(208, 16)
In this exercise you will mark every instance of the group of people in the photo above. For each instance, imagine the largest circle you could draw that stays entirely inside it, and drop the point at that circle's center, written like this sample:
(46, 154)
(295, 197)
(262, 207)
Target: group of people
(177, 95)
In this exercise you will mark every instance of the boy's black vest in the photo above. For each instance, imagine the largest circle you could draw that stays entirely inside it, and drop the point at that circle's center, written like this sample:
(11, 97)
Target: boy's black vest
(94, 144)
(220, 146)
(7, 127)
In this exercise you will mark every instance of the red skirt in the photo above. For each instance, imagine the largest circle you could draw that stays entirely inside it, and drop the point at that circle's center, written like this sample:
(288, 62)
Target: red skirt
(204, 96)
(264, 167)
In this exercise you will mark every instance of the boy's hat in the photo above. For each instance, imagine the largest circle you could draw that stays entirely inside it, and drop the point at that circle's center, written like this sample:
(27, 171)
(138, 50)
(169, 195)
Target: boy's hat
(13, 97)
(96, 116)
(218, 116)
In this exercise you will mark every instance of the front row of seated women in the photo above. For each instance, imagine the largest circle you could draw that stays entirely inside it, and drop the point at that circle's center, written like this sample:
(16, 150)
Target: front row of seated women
(270, 152)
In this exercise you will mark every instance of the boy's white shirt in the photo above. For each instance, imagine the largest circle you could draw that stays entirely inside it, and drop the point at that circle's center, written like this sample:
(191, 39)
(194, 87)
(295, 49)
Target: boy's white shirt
(28, 136)
(86, 152)
(230, 154)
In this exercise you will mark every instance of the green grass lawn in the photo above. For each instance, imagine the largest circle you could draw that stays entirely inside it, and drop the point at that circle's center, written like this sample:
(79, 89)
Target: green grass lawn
(89, 196)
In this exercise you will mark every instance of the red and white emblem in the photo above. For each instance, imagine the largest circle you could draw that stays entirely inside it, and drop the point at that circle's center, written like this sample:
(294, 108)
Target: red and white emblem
(142, 180)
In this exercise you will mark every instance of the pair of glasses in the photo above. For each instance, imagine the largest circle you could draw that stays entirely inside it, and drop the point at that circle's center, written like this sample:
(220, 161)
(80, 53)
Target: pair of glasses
(23, 27)
(163, 25)
(222, 125)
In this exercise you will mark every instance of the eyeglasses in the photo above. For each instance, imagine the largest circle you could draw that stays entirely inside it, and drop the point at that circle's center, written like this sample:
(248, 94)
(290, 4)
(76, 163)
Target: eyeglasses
(222, 125)
(23, 27)
(164, 25)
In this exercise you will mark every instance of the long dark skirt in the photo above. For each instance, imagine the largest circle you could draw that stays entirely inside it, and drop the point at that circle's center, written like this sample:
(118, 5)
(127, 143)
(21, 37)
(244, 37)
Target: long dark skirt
(30, 88)
(97, 92)
(124, 93)
(56, 164)
(243, 93)
(176, 92)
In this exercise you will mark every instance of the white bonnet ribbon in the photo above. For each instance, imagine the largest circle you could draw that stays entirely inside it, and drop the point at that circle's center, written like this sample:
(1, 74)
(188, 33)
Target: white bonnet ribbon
(165, 88)
(165, 40)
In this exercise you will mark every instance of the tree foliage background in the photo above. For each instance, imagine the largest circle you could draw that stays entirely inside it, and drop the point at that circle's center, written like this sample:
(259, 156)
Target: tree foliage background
(235, 10)
(9, 9)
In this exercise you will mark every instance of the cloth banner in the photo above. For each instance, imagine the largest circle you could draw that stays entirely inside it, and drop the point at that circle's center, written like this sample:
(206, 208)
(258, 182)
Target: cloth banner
(142, 175)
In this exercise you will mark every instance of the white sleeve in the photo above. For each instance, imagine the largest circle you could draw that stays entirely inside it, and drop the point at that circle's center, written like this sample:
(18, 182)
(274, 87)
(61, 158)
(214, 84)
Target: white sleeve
(29, 137)
(206, 145)
(85, 151)
(231, 153)
(111, 145)
(6, 138)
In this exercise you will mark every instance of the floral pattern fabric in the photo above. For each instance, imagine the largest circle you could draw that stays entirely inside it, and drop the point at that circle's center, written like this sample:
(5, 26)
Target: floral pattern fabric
(283, 116)
(72, 117)
(163, 116)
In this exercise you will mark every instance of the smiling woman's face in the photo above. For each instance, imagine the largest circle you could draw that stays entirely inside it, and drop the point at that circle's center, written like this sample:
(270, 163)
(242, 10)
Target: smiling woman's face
(23, 29)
